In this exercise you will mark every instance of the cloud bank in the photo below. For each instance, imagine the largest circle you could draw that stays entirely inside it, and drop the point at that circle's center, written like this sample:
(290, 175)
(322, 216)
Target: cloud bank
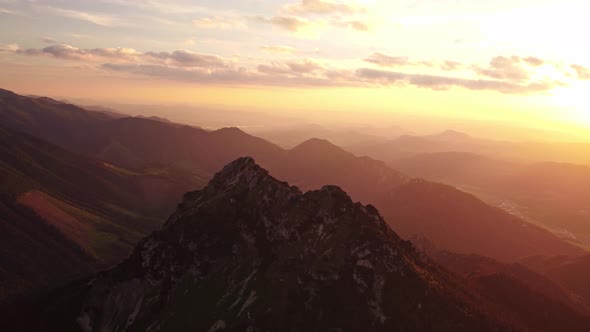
(508, 75)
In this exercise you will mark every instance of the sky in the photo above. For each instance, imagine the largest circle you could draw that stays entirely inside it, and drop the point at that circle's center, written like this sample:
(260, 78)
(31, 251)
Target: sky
(517, 61)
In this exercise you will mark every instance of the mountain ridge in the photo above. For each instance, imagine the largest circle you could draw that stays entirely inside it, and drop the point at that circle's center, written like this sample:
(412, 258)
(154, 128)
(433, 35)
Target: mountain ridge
(253, 253)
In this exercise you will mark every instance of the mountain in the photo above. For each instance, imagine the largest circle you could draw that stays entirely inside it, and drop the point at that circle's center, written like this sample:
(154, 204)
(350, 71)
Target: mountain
(462, 223)
(555, 195)
(251, 253)
(458, 168)
(450, 136)
(57, 122)
(289, 136)
(408, 146)
(316, 162)
(145, 146)
(569, 272)
(418, 207)
(136, 143)
(34, 255)
(560, 200)
(515, 292)
(63, 215)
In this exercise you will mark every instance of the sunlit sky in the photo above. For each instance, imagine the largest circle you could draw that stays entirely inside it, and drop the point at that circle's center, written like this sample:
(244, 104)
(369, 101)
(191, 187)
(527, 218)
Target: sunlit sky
(513, 60)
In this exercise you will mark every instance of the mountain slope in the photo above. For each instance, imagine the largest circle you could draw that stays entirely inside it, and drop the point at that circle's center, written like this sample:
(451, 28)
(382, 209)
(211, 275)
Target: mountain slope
(515, 292)
(459, 222)
(555, 195)
(34, 255)
(140, 144)
(249, 252)
(570, 272)
(57, 122)
(59, 206)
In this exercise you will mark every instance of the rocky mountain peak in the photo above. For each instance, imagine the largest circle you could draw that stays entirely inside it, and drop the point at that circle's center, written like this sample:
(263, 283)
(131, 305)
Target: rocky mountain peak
(241, 171)
(251, 253)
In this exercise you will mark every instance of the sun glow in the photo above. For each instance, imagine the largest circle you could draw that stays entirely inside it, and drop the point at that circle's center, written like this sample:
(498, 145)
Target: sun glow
(573, 104)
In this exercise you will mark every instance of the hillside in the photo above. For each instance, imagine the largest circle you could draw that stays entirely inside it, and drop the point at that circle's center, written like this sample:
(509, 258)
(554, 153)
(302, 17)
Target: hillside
(555, 195)
(59, 204)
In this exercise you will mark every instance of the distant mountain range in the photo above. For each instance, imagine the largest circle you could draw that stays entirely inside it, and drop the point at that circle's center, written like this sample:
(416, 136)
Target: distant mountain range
(87, 185)
(253, 253)
(408, 146)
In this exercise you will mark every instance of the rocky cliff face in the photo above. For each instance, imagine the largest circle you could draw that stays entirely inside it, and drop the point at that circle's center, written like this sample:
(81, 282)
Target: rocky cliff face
(251, 253)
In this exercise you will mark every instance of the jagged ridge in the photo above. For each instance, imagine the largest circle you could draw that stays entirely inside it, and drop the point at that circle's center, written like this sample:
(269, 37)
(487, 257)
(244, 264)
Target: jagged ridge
(249, 252)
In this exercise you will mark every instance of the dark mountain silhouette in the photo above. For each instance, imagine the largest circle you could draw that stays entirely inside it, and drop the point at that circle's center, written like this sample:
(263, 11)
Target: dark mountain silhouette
(249, 252)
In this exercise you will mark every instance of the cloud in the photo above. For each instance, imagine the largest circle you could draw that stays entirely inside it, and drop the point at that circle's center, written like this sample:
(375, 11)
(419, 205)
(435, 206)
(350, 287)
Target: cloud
(533, 61)
(298, 24)
(68, 52)
(10, 48)
(181, 58)
(383, 60)
(359, 25)
(307, 73)
(290, 23)
(278, 49)
(48, 40)
(61, 51)
(434, 82)
(293, 68)
(187, 59)
(352, 24)
(187, 66)
(583, 73)
(339, 14)
(199, 75)
(506, 68)
(234, 76)
(451, 65)
(218, 22)
(322, 7)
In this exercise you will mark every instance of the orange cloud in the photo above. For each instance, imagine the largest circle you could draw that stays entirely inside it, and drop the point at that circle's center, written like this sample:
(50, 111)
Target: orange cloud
(583, 73)
(322, 7)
